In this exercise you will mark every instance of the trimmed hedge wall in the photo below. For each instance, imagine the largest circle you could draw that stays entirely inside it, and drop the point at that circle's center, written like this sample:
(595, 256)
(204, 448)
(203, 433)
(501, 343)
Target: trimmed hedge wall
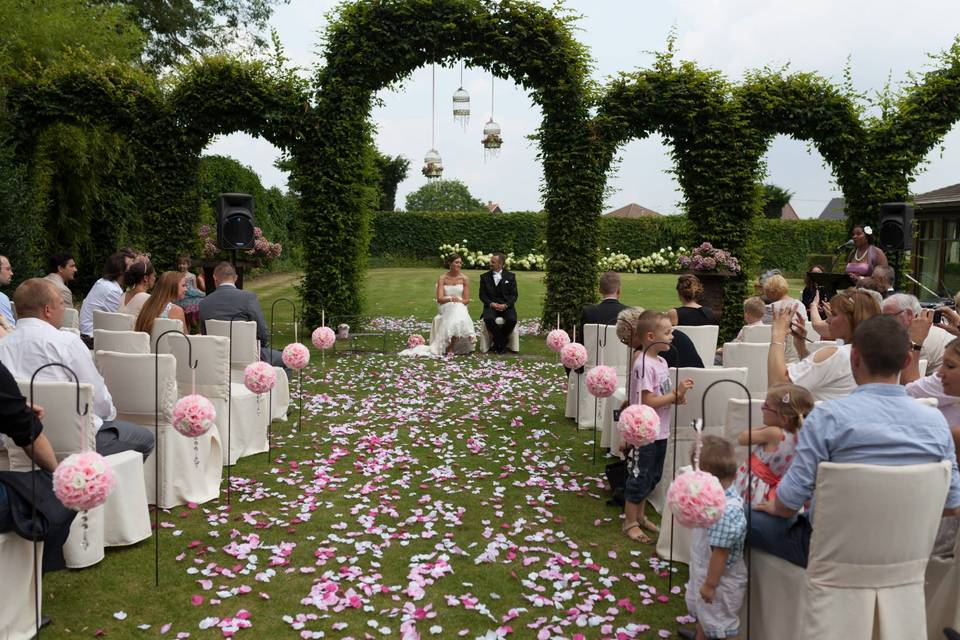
(783, 244)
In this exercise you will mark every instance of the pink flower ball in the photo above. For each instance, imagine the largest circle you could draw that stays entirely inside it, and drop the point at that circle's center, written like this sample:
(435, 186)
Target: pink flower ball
(323, 337)
(259, 377)
(573, 356)
(639, 425)
(696, 499)
(84, 481)
(602, 381)
(296, 355)
(193, 415)
(415, 340)
(557, 340)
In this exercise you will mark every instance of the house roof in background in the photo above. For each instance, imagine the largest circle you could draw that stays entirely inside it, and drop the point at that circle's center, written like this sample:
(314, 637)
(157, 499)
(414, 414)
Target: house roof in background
(942, 195)
(493, 207)
(788, 213)
(835, 210)
(633, 210)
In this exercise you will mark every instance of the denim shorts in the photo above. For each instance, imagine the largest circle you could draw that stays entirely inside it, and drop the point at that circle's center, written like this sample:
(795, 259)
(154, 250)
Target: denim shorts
(644, 470)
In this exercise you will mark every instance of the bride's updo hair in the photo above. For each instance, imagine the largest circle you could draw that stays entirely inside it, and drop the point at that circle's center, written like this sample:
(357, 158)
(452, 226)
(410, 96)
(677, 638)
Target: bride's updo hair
(448, 261)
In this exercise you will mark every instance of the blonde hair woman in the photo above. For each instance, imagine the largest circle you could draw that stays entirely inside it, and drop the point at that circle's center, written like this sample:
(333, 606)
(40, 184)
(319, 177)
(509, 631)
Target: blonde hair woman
(171, 286)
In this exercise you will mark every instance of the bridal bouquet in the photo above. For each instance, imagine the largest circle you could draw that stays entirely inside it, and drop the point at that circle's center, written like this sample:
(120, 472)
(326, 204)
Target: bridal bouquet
(706, 257)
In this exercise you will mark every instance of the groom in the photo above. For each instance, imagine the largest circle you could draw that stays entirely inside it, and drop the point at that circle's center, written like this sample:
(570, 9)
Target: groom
(498, 292)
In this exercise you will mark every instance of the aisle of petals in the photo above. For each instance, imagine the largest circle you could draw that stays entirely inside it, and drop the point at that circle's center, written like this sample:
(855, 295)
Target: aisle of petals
(419, 499)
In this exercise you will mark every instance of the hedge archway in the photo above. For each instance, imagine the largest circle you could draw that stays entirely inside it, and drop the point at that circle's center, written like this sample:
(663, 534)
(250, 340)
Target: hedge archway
(374, 44)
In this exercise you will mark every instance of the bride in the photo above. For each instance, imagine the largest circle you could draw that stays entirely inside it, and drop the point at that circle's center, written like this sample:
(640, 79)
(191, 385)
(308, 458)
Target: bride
(453, 330)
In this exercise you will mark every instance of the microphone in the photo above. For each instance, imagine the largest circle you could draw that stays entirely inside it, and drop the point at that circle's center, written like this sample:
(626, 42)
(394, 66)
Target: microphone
(845, 245)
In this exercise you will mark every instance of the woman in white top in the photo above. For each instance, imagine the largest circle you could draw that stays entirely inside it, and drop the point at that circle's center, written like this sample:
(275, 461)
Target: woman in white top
(105, 295)
(138, 279)
(826, 373)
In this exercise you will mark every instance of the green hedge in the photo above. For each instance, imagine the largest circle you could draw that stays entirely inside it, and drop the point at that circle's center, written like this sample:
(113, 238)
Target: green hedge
(783, 244)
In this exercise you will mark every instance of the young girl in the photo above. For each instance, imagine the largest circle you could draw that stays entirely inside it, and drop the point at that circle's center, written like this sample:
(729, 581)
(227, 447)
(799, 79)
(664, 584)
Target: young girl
(775, 442)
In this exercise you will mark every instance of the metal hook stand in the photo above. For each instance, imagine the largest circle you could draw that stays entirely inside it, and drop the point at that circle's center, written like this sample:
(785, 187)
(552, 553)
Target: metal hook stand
(33, 488)
(156, 435)
(748, 508)
(299, 375)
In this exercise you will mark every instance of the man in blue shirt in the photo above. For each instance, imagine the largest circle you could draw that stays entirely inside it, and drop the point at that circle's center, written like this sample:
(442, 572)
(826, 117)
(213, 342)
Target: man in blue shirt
(876, 424)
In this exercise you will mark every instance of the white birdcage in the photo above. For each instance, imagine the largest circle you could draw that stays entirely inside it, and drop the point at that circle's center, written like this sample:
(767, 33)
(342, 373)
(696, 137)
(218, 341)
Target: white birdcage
(461, 107)
(492, 141)
(432, 164)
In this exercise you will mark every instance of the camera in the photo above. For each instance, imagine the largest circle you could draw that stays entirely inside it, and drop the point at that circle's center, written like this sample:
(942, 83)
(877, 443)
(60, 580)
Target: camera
(938, 317)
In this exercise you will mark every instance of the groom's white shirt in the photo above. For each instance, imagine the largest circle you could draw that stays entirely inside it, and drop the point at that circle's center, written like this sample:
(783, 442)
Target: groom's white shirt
(497, 275)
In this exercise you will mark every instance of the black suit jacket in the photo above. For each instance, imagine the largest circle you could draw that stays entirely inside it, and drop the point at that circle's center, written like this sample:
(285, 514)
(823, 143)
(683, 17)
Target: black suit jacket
(227, 303)
(604, 312)
(504, 293)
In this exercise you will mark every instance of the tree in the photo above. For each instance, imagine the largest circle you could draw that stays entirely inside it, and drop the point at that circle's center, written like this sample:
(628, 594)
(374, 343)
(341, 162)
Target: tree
(774, 200)
(443, 195)
(392, 172)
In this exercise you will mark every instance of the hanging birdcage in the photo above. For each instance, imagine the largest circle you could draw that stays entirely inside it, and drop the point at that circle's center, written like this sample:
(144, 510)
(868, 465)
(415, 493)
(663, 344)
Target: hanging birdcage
(461, 107)
(491, 138)
(432, 164)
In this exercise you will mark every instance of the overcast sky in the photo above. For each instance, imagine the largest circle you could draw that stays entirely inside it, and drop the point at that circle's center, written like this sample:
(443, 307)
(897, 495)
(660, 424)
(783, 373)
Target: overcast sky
(882, 39)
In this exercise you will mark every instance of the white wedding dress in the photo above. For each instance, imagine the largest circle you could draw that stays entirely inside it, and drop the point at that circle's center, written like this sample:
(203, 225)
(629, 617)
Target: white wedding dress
(452, 321)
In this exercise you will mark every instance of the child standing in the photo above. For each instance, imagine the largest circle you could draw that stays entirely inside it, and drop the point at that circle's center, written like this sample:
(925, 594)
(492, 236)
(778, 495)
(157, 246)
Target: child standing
(651, 385)
(718, 575)
(774, 443)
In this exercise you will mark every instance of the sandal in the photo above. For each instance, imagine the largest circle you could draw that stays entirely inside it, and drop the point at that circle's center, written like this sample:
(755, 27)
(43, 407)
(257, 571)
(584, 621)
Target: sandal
(648, 525)
(640, 536)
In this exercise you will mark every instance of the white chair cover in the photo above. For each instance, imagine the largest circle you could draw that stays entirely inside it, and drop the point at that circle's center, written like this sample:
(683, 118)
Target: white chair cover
(682, 536)
(704, 339)
(247, 434)
(757, 333)
(942, 593)
(617, 355)
(189, 467)
(586, 411)
(737, 420)
(126, 514)
(84, 545)
(246, 350)
(20, 577)
(71, 319)
(865, 576)
(486, 340)
(113, 321)
(61, 425)
(753, 356)
(121, 341)
(161, 326)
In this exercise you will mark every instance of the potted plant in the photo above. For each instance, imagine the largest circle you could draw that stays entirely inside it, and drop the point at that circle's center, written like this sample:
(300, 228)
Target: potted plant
(713, 267)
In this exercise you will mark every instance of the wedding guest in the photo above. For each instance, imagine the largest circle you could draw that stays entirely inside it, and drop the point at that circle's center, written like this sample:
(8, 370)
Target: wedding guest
(138, 280)
(6, 274)
(877, 424)
(61, 269)
(753, 312)
(683, 352)
(691, 313)
(183, 266)
(810, 288)
(885, 276)
(171, 286)
(777, 292)
(105, 295)
(865, 255)
(498, 292)
(609, 307)
(904, 308)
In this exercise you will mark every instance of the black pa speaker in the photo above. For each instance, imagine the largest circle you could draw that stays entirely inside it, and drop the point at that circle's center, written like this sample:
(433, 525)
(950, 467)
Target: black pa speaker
(235, 221)
(895, 231)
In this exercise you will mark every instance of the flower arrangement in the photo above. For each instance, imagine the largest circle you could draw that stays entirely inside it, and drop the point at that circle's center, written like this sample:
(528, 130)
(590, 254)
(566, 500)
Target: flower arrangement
(696, 499)
(415, 340)
(193, 415)
(639, 425)
(259, 377)
(557, 340)
(573, 356)
(323, 337)
(481, 259)
(84, 481)
(295, 355)
(706, 257)
(263, 251)
(602, 381)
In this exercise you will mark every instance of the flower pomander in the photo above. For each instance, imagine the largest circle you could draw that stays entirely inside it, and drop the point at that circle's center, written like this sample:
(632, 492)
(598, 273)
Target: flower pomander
(323, 337)
(296, 355)
(639, 425)
(84, 481)
(573, 356)
(415, 340)
(602, 381)
(696, 499)
(557, 340)
(193, 415)
(259, 377)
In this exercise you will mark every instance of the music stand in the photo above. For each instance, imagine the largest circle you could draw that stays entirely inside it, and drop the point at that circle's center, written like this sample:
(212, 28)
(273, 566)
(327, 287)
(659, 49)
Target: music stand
(831, 282)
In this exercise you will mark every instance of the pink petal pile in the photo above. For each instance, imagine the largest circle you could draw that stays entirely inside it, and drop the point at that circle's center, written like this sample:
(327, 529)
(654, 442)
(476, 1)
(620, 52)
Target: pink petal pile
(323, 337)
(639, 425)
(84, 481)
(193, 415)
(696, 499)
(573, 356)
(602, 381)
(415, 340)
(259, 377)
(557, 340)
(296, 355)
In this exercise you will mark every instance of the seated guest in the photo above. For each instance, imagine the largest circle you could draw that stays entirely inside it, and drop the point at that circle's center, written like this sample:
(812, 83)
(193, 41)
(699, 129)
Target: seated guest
(810, 288)
(61, 269)
(105, 295)
(826, 373)
(777, 292)
(690, 313)
(606, 311)
(884, 276)
(904, 308)
(183, 266)
(229, 303)
(753, 312)
(38, 341)
(171, 286)
(138, 280)
(877, 424)
(6, 274)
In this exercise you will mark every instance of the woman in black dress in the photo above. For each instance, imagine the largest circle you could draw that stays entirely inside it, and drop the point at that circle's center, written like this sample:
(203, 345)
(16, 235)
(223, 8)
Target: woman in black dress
(691, 313)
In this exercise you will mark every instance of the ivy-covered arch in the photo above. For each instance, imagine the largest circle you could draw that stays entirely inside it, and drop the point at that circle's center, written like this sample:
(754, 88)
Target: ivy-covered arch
(372, 45)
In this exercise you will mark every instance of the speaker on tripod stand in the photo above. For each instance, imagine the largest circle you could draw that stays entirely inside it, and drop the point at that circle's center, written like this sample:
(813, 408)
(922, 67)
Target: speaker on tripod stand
(235, 221)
